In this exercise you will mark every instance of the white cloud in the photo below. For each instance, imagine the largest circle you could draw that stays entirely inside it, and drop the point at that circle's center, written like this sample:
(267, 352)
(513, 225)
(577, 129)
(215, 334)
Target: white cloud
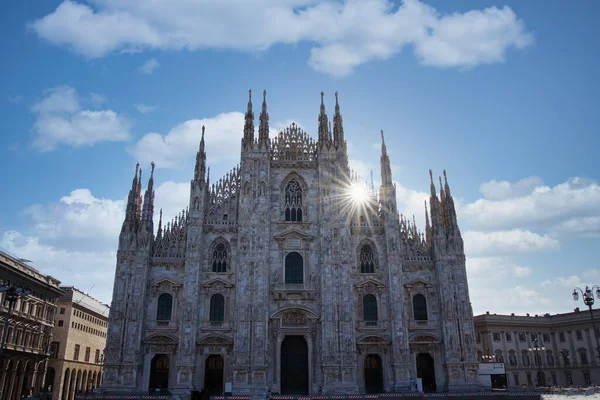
(75, 239)
(412, 202)
(60, 120)
(344, 35)
(144, 109)
(172, 198)
(149, 66)
(494, 190)
(79, 215)
(567, 209)
(507, 242)
(494, 286)
(223, 139)
(81, 269)
(96, 99)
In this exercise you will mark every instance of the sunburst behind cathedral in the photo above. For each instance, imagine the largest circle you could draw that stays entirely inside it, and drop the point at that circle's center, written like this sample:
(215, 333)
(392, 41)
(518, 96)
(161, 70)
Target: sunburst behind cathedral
(290, 275)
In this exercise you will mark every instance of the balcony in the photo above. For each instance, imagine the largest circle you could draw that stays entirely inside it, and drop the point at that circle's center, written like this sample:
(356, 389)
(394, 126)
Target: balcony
(216, 326)
(371, 325)
(294, 292)
(163, 326)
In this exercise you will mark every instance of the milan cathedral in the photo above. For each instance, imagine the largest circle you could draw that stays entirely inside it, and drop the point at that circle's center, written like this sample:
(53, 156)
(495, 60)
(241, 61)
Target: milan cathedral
(290, 275)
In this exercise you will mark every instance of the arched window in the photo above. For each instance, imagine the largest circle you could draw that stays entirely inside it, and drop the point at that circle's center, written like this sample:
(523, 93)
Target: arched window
(512, 358)
(367, 260)
(550, 358)
(499, 356)
(370, 308)
(294, 269)
(420, 307)
(217, 308)
(293, 202)
(165, 305)
(219, 257)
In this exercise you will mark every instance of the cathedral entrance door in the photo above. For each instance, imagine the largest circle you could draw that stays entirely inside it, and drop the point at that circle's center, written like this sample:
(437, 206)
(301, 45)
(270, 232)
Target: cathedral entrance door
(159, 372)
(373, 374)
(213, 375)
(294, 365)
(426, 371)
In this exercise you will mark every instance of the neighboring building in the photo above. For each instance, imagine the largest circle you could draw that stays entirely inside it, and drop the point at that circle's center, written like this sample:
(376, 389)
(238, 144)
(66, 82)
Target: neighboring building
(290, 275)
(569, 355)
(29, 327)
(77, 346)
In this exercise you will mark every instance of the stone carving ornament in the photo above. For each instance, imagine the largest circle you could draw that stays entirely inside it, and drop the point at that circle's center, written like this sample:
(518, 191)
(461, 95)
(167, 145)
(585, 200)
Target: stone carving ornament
(294, 319)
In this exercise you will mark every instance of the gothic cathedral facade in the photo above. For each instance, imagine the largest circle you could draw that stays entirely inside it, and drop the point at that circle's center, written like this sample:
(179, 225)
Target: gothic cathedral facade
(290, 275)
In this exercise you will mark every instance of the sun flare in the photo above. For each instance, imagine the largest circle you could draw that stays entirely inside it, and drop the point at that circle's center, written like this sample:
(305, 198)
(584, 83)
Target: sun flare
(359, 194)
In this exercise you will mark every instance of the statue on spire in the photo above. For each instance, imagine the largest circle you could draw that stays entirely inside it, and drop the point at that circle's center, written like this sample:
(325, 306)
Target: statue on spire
(200, 168)
(263, 129)
(338, 127)
(386, 170)
(324, 130)
(249, 122)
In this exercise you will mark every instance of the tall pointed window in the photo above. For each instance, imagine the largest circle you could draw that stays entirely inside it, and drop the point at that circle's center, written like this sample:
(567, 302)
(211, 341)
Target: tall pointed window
(420, 307)
(366, 259)
(219, 258)
(165, 305)
(293, 202)
(217, 308)
(370, 308)
(294, 268)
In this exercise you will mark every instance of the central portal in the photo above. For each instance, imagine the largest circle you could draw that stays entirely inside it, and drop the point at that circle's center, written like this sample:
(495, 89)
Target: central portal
(294, 365)
(373, 374)
(426, 371)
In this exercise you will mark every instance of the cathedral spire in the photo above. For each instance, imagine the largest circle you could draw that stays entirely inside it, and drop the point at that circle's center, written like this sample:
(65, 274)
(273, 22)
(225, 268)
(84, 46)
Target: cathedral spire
(432, 186)
(148, 210)
(446, 185)
(386, 170)
(263, 129)
(427, 226)
(131, 215)
(159, 230)
(338, 127)
(443, 204)
(249, 122)
(323, 124)
(200, 160)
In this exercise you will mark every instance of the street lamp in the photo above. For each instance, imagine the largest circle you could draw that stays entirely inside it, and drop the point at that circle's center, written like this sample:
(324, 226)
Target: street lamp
(588, 300)
(536, 350)
(488, 358)
(11, 294)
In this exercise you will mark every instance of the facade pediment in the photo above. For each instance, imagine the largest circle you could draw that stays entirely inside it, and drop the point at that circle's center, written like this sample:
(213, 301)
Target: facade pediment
(166, 284)
(372, 339)
(294, 233)
(161, 339)
(369, 282)
(418, 281)
(217, 282)
(423, 337)
(215, 340)
(294, 309)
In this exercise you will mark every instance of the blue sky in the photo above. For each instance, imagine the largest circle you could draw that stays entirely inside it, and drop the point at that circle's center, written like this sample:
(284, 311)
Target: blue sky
(502, 94)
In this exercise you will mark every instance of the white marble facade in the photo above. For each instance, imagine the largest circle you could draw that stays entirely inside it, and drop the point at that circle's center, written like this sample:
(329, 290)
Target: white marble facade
(280, 278)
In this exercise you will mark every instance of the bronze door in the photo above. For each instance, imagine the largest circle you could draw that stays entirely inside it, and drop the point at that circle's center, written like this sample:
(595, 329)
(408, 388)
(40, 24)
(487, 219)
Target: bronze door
(213, 375)
(294, 365)
(373, 374)
(159, 372)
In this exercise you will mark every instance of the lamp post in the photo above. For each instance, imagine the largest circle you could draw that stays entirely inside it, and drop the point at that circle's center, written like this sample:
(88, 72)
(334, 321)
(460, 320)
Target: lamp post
(588, 300)
(11, 294)
(536, 350)
(487, 357)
